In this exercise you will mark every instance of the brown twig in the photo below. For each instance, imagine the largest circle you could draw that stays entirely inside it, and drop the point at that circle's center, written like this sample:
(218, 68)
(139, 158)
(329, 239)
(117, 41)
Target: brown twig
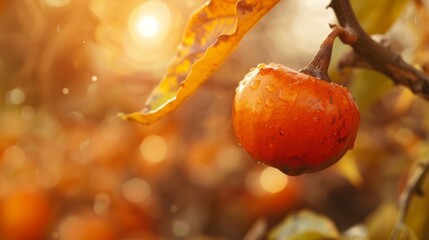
(413, 188)
(378, 57)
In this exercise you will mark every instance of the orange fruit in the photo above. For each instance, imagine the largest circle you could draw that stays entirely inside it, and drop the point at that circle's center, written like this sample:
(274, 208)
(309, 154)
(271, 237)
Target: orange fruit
(293, 121)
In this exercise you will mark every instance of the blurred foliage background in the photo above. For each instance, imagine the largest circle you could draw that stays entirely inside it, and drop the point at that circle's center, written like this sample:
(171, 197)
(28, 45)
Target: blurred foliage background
(71, 169)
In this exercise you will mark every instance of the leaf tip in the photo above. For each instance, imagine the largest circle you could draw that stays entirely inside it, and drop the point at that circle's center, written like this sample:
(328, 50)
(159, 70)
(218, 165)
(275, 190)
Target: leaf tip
(122, 115)
(139, 117)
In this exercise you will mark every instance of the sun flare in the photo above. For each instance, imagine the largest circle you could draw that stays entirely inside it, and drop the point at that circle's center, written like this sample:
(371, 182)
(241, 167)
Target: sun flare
(150, 23)
(148, 26)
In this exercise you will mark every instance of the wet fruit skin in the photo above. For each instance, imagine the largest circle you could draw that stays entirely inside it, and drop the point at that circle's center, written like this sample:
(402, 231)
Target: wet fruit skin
(293, 121)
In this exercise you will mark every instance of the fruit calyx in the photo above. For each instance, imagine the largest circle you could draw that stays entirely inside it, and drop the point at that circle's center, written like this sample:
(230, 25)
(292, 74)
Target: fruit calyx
(318, 66)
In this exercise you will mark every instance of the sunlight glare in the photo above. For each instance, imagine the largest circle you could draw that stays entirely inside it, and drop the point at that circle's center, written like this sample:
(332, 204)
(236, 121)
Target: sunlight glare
(57, 3)
(148, 26)
(150, 23)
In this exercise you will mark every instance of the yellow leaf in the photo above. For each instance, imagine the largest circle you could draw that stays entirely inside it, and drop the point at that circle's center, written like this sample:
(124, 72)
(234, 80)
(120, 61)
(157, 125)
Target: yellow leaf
(382, 220)
(374, 18)
(213, 32)
(417, 218)
(368, 87)
(305, 225)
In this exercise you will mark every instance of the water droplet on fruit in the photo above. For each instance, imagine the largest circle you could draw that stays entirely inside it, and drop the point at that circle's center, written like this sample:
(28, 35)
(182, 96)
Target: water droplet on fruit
(287, 96)
(261, 65)
(270, 88)
(315, 119)
(294, 81)
(269, 103)
(255, 84)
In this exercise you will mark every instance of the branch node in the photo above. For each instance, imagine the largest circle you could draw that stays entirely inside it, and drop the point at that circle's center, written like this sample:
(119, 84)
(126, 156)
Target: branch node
(378, 57)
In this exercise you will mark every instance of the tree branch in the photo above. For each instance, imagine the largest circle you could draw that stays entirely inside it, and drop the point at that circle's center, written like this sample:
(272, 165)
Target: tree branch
(378, 57)
(373, 55)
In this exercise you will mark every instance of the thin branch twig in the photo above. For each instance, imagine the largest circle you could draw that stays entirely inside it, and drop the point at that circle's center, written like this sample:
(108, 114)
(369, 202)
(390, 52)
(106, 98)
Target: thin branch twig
(378, 57)
(413, 187)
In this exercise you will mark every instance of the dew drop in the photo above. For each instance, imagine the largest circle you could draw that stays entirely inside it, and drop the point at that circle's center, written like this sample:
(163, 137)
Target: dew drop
(261, 65)
(270, 88)
(286, 96)
(255, 84)
(315, 119)
(294, 81)
(269, 103)
(243, 82)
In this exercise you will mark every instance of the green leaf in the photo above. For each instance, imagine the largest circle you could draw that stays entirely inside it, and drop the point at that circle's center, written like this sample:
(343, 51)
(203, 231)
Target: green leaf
(212, 34)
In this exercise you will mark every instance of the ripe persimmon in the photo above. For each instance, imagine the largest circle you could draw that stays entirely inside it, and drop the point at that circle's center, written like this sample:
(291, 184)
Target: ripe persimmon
(296, 121)
(293, 121)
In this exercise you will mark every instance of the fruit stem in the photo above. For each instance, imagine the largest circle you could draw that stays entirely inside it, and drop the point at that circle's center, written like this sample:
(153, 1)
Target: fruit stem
(318, 67)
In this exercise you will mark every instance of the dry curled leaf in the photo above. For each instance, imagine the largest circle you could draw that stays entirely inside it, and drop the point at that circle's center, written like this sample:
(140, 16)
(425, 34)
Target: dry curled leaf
(212, 34)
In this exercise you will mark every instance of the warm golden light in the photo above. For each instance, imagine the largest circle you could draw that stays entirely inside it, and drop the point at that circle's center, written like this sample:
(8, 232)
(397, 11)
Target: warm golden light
(57, 3)
(150, 23)
(273, 180)
(148, 26)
